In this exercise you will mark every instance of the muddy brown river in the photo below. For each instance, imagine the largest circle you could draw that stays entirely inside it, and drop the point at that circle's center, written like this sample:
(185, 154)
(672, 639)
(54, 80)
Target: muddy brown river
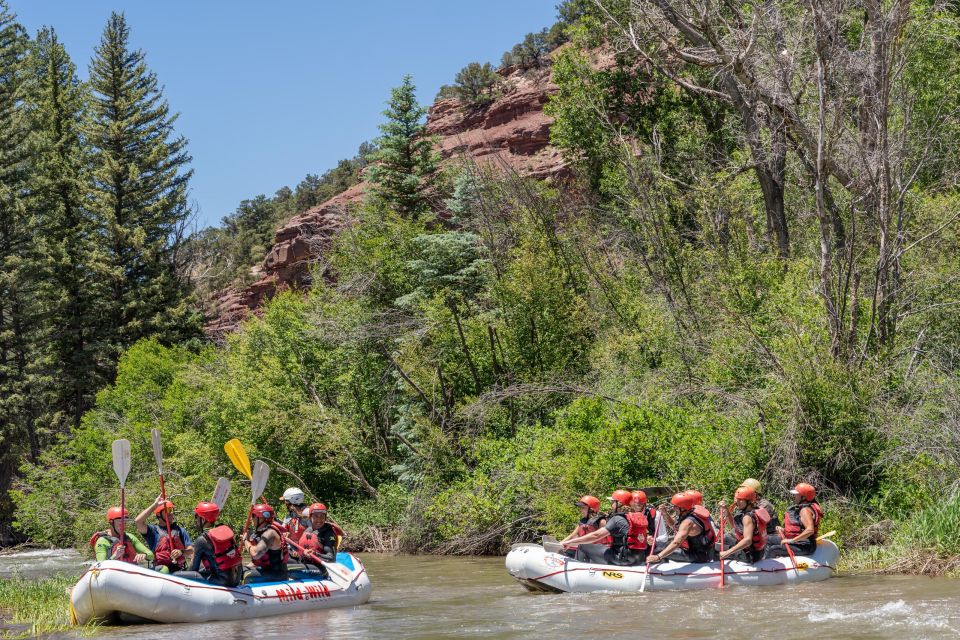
(444, 597)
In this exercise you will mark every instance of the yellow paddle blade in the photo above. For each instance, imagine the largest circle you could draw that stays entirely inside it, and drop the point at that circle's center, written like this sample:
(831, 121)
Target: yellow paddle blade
(238, 456)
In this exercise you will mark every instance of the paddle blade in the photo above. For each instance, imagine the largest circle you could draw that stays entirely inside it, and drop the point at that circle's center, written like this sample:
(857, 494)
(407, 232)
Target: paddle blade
(221, 492)
(157, 450)
(238, 456)
(261, 472)
(121, 460)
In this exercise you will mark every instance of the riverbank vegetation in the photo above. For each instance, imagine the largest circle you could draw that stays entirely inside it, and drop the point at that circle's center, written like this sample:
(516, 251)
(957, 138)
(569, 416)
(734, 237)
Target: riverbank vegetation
(31, 608)
(752, 270)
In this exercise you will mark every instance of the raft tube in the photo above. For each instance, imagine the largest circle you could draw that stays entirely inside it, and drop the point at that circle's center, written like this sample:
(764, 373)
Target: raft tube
(540, 570)
(112, 591)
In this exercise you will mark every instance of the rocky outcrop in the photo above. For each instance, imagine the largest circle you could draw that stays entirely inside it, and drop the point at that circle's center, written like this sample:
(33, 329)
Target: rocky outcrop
(512, 134)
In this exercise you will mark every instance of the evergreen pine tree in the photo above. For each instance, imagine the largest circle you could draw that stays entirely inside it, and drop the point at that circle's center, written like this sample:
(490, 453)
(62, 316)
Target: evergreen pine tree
(71, 268)
(405, 161)
(139, 193)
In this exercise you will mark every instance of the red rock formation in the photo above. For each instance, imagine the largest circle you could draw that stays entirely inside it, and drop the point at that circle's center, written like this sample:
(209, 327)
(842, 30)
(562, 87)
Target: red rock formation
(511, 133)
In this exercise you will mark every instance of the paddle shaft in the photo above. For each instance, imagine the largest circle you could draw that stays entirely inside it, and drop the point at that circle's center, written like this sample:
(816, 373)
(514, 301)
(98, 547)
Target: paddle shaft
(723, 575)
(312, 554)
(123, 518)
(166, 515)
(793, 558)
(653, 548)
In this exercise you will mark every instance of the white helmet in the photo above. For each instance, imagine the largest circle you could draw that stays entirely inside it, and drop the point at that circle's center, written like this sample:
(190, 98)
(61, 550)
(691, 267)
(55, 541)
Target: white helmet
(293, 496)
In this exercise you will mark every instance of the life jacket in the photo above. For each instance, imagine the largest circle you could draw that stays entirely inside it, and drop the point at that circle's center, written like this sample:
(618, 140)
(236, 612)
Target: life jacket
(166, 543)
(295, 528)
(703, 542)
(129, 553)
(636, 537)
(225, 549)
(651, 515)
(273, 560)
(793, 526)
(760, 519)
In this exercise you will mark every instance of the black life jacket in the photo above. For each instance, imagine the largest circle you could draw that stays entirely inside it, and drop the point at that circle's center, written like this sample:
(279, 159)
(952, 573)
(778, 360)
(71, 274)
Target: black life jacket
(793, 526)
(166, 543)
(636, 538)
(701, 543)
(760, 519)
(274, 560)
(226, 553)
(129, 553)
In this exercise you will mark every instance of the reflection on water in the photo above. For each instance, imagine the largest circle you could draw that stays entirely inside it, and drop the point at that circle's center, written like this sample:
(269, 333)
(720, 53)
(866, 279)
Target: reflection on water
(430, 597)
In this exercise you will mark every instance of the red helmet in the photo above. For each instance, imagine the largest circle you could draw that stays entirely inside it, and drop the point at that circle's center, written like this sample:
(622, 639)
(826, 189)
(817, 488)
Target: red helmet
(264, 511)
(622, 496)
(209, 511)
(114, 512)
(590, 501)
(745, 493)
(318, 506)
(683, 501)
(166, 505)
(638, 497)
(805, 490)
(697, 496)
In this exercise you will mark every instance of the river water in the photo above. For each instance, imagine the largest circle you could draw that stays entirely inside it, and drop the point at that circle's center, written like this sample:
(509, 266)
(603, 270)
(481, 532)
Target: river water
(444, 597)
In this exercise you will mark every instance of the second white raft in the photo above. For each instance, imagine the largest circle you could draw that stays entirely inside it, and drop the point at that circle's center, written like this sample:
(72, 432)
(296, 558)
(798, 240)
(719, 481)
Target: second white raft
(540, 570)
(112, 589)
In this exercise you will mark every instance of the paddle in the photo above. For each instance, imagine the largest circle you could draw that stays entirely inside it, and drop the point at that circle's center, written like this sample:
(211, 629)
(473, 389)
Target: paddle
(158, 456)
(342, 579)
(653, 548)
(121, 467)
(238, 456)
(551, 544)
(258, 480)
(827, 535)
(723, 575)
(221, 492)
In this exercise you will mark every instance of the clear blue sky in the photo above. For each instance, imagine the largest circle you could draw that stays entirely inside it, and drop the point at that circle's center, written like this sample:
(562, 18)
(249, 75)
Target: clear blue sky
(270, 91)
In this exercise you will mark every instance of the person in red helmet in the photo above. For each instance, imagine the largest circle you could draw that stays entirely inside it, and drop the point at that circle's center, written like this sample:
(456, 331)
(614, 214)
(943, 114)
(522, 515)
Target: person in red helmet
(801, 524)
(172, 549)
(695, 535)
(655, 523)
(107, 545)
(589, 521)
(627, 531)
(216, 556)
(748, 542)
(321, 540)
(265, 544)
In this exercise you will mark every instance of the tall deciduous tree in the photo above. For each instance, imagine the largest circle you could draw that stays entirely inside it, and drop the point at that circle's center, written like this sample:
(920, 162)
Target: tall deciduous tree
(405, 160)
(71, 265)
(139, 193)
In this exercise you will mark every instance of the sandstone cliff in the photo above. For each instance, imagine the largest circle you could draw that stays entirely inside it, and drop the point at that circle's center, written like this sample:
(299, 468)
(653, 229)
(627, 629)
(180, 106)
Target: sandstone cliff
(512, 133)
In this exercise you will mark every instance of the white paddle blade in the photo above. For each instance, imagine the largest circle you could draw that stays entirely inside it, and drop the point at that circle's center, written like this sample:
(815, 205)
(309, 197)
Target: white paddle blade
(121, 460)
(221, 492)
(261, 472)
(157, 450)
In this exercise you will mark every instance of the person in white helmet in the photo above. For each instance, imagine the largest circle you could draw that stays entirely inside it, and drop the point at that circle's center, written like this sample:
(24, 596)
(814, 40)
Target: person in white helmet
(294, 521)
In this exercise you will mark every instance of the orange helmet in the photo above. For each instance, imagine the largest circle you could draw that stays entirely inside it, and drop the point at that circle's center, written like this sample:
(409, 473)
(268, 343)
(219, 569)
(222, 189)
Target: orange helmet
(622, 496)
(208, 511)
(638, 498)
(745, 493)
(696, 495)
(318, 507)
(166, 505)
(805, 490)
(264, 511)
(591, 502)
(114, 512)
(683, 501)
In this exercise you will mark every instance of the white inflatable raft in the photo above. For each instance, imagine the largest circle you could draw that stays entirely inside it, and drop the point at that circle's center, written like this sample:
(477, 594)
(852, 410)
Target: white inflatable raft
(540, 570)
(111, 590)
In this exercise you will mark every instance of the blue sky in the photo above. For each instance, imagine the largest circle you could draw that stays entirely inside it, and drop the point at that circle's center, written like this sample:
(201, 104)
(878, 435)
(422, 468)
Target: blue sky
(270, 91)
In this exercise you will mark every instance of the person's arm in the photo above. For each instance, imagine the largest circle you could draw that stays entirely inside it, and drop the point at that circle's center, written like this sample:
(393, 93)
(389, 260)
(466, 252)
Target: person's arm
(683, 532)
(588, 538)
(141, 520)
(260, 548)
(745, 541)
(102, 549)
(573, 534)
(143, 551)
(806, 519)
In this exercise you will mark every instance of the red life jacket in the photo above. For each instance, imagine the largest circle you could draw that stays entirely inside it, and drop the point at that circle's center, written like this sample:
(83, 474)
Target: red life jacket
(760, 518)
(129, 553)
(295, 529)
(166, 543)
(273, 558)
(636, 537)
(793, 526)
(702, 542)
(225, 549)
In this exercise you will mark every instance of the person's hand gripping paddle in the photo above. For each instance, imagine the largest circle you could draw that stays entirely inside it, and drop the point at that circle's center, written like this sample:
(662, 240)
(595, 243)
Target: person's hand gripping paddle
(121, 467)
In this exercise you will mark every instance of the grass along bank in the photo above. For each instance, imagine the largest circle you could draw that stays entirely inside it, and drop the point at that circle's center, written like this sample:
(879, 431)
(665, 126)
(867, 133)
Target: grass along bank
(32, 607)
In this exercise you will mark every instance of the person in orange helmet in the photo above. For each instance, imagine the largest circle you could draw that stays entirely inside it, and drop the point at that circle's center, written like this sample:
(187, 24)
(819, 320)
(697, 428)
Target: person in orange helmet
(108, 546)
(748, 542)
(695, 535)
(589, 521)
(801, 524)
(171, 549)
(217, 557)
(627, 531)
